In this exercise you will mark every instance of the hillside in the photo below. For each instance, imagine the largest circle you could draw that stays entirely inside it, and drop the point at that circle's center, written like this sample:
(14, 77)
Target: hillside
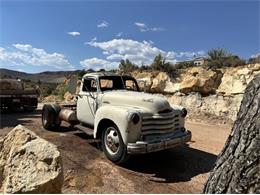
(48, 76)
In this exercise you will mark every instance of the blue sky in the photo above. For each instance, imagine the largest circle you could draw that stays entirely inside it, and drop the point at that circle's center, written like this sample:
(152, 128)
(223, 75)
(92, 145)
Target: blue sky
(37, 36)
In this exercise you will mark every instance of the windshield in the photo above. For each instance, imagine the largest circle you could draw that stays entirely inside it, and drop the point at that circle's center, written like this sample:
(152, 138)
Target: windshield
(118, 83)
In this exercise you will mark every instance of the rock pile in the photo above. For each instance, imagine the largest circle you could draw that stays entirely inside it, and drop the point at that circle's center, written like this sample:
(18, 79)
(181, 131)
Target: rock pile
(29, 164)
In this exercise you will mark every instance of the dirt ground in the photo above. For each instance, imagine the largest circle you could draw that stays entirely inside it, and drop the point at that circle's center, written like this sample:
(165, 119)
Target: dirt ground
(183, 169)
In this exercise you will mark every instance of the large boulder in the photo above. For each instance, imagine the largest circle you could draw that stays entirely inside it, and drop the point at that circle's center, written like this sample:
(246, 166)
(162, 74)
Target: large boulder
(235, 80)
(29, 164)
(199, 79)
(144, 79)
(159, 82)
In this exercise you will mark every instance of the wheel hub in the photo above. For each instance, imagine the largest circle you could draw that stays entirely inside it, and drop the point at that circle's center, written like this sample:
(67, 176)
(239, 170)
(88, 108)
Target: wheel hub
(112, 141)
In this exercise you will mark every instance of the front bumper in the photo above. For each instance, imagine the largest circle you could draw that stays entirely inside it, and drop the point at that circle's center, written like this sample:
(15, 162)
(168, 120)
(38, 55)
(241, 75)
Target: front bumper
(145, 147)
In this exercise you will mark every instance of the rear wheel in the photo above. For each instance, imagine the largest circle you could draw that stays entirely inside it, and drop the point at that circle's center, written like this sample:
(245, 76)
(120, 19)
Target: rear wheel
(113, 145)
(50, 116)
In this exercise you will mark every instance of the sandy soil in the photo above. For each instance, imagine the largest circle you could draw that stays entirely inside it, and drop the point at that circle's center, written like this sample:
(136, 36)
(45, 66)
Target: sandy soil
(183, 169)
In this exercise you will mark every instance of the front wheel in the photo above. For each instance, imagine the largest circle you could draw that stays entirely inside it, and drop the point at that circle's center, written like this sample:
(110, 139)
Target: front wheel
(113, 145)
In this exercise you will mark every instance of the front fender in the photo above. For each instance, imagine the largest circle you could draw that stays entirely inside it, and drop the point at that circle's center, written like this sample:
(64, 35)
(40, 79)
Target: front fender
(121, 117)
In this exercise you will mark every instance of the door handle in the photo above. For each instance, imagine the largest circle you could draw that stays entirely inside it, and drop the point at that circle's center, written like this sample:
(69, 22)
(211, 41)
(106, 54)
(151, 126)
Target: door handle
(106, 102)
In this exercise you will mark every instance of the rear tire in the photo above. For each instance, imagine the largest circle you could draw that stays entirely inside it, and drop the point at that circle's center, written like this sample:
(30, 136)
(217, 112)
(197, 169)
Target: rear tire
(113, 145)
(50, 118)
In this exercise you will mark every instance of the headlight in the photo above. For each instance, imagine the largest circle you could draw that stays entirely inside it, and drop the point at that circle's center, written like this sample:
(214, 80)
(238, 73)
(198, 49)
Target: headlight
(184, 112)
(135, 118)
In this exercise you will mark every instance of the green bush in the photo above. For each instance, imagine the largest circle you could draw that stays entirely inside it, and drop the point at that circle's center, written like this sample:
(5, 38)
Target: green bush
(183, 65)
(127, 66)
(219, 58)
(160, 64)
(60, 91)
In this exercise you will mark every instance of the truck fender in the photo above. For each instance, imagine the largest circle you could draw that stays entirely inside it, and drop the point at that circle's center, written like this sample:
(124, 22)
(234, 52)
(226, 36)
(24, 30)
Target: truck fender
(118, 115)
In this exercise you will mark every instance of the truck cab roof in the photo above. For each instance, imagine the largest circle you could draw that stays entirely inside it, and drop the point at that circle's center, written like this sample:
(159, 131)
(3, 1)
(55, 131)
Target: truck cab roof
(102, 74)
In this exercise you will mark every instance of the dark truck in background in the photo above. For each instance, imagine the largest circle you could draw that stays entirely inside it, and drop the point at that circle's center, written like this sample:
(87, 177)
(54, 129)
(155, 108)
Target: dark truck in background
(14, 96)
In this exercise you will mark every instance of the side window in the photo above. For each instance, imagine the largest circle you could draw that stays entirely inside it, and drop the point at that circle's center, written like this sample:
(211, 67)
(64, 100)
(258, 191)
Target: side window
(106, 84)
(130, 85)
(90, 85)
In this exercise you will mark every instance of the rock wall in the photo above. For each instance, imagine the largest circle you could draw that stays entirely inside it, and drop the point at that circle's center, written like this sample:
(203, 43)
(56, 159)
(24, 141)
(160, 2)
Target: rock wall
(225, 107)
(235, 80)
(29, 164)
(201, 90)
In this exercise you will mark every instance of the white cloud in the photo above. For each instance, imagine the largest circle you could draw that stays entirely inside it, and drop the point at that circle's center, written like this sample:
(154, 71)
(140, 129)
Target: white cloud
(144, 28)
(103, 24)
(119, 34)
(255, 55)
(97, 64)
(73, 33)
(189, 54)
(138, 52)
(25, 54)
(141, 25)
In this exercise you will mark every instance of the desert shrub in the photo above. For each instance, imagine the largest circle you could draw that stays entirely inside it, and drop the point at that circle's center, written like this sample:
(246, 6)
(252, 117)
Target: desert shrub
(219, 58)
(183, 65)
(254, 60)
(60, 90)
(127, 66)
(160, 64)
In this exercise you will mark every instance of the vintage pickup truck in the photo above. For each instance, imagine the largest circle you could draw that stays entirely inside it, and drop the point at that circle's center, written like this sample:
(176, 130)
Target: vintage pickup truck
(127, 121)
(13, 95)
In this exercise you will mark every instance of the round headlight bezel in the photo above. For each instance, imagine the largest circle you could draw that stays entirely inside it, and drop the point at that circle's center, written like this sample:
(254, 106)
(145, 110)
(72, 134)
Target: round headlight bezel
(135, 118)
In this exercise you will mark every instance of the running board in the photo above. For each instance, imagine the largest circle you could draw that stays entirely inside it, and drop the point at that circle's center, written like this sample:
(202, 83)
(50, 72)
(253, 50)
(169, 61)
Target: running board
(87, 130)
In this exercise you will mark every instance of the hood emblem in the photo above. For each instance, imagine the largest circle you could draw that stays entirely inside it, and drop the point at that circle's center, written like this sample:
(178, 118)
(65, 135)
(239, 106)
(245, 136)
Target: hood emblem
(148, 100)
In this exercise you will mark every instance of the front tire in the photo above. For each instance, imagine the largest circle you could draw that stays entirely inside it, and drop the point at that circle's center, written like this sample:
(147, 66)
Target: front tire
(113, 145)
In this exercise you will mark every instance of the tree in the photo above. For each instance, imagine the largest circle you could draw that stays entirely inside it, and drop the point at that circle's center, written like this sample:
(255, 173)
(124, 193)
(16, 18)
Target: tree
(217, 54)
(159, 63)
(127, 66)
(237, 168)
(219, 58)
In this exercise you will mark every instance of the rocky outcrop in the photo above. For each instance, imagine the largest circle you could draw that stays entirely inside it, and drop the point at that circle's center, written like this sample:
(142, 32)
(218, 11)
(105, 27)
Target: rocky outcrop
(29, 164)
(200, 80)
(235, 80)
(221, 106)
(196, 79)
(145, 79)
(159, 83)
(215, 92)
(226, 81)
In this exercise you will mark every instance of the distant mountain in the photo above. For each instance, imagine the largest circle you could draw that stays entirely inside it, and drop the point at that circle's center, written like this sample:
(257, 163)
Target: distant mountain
(48, 76)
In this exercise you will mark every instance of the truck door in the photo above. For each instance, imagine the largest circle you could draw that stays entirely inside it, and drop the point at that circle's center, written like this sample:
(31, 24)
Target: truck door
(86, 104)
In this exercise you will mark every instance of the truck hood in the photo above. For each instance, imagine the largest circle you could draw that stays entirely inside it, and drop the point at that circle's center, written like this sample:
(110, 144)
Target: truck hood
(137, 100)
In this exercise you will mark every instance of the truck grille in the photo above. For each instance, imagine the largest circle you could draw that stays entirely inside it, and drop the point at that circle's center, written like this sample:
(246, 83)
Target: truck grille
(161, 123)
